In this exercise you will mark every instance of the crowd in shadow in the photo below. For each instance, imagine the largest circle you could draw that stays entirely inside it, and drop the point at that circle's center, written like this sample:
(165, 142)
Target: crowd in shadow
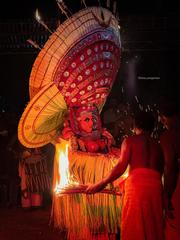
(13, 164)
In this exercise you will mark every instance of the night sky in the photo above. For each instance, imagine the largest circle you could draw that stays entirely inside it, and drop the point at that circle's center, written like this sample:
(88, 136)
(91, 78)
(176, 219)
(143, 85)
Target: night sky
(25, 9)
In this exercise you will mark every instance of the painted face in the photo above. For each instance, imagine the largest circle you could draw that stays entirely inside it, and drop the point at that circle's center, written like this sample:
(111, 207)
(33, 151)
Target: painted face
(86, 122)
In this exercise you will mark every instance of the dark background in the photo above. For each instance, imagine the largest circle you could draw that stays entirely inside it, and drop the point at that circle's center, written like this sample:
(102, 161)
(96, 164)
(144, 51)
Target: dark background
(150, 49)
(24, 9)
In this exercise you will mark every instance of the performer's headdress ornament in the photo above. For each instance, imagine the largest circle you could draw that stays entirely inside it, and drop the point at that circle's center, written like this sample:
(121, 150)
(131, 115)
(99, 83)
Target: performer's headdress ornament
(76, 67)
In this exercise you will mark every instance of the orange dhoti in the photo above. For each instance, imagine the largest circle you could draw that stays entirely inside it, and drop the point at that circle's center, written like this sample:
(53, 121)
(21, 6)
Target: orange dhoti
(142, 213)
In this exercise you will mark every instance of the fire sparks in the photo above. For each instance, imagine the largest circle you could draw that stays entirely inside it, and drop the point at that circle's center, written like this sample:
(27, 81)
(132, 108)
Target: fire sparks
(39, 20)
(37, 16)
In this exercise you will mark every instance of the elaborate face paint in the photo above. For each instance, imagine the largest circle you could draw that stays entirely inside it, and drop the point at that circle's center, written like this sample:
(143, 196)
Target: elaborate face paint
(86, 122)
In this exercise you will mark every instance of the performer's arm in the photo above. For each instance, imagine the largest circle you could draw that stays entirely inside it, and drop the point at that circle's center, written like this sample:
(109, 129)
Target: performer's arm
(116, 172)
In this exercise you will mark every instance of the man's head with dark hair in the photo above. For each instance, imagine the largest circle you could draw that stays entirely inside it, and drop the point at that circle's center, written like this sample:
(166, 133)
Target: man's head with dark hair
(169, 114)
(144, 120)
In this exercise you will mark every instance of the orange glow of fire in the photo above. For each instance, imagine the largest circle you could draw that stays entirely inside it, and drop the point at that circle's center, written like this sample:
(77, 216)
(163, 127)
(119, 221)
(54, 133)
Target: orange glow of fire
(125, 175)
(63, 168)
(65, 179)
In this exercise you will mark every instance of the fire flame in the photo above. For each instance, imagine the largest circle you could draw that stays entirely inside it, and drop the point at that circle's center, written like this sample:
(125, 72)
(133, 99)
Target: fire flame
(65, 183)
(63, 167)
(63, 178)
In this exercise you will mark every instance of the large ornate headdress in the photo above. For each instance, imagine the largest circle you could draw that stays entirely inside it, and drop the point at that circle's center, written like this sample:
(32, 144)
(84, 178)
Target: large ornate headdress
(77, 66)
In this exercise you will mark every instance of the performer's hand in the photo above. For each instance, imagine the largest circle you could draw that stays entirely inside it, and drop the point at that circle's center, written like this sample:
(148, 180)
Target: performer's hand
(67, 133)
(109, 137)
(94, 188)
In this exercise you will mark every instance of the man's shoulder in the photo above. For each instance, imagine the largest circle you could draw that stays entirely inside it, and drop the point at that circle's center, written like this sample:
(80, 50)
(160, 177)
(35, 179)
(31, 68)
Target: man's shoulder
(131, 139)
(139, 139)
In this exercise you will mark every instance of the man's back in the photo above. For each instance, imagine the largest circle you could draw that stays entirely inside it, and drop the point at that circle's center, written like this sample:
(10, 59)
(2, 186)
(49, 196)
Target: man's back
(144, 153)
(142, 214)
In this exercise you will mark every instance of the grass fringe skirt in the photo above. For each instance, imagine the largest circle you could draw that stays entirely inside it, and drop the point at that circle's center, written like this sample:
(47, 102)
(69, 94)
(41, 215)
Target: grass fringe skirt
(89, 217)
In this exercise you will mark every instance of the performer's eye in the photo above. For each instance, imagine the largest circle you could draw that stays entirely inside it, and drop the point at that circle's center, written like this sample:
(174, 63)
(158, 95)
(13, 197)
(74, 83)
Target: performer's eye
(87, 119)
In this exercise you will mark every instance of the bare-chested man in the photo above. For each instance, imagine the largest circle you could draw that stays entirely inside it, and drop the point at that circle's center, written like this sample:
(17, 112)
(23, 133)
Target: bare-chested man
(170, 142)
(142, 213)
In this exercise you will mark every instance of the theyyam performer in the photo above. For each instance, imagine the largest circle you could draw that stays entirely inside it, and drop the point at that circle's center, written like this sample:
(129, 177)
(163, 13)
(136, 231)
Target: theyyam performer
(70, 81)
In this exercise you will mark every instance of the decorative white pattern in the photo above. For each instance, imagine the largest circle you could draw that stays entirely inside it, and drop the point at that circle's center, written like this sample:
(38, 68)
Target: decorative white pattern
(73, 85)
(82, 92)
(80, 78)
(61, 84)
(87, 72)
(107, 64)
(73, 65)
(106, 80)
(82, 57)
(107, 55)
(94, 67)
(66, 74)
(103, 95)
(67, 94)
(101, 65)
(89, 88)
(74, 100)
(102, 82)
(95, 84)
(90, 99)
(96, 48)
(89, 51)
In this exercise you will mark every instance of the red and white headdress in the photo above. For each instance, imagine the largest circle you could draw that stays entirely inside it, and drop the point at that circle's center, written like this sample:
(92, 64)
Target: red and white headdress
(77, 66)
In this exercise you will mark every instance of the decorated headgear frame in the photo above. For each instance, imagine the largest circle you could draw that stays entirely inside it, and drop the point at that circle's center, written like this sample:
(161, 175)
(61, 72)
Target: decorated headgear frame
(76, 67)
